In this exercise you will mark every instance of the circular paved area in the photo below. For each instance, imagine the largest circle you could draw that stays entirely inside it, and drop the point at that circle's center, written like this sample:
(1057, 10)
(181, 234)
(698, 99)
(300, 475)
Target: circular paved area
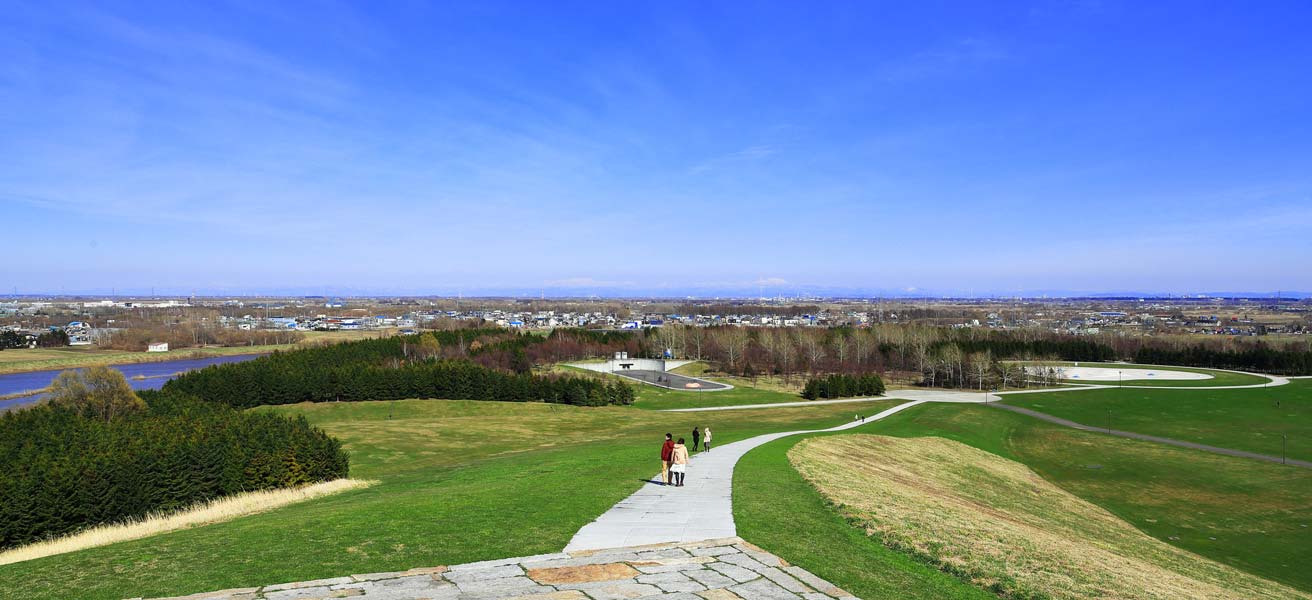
(1114, 374)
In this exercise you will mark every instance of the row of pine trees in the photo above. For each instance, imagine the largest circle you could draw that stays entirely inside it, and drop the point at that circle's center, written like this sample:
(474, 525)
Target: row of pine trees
(391, 369)
(62, 471)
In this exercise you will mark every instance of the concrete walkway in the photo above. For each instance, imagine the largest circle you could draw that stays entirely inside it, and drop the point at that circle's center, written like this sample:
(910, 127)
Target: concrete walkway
(701, 509)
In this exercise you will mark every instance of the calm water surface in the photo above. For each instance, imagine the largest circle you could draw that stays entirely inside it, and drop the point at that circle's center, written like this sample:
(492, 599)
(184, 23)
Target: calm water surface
(155, 373)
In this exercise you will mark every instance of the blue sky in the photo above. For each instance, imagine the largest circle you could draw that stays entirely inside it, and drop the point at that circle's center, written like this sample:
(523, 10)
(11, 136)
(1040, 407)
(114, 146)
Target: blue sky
(675, 147)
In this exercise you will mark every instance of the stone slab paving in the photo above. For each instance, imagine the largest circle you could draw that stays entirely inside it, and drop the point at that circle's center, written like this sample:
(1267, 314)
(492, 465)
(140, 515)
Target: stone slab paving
(723, 569)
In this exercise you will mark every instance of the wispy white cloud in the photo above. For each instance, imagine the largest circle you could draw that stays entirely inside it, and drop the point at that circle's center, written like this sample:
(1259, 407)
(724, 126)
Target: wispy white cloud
(749, 154)
(945, 59)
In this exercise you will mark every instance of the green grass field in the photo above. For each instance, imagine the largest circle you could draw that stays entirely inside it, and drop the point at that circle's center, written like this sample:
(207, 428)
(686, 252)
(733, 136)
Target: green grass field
(1219, 378)
(1243, 419)
(459, 481)
(1246, 513)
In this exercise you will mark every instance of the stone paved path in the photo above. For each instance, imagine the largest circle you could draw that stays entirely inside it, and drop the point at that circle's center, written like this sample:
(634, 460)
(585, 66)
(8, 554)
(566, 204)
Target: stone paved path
(725, 569)
(701, 509)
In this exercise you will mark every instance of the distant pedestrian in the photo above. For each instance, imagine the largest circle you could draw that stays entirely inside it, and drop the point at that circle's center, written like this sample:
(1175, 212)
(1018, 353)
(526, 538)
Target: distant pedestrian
(856, 417)
(667, 451)
(706, 439)
(696, 438)
(863, 418)
(679, 458)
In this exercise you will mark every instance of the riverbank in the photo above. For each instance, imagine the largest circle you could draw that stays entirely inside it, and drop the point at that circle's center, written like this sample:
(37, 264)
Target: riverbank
(47, 359)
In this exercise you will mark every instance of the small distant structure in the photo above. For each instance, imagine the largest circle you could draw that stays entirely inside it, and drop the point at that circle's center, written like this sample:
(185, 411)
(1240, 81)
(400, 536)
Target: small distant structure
(158, 347)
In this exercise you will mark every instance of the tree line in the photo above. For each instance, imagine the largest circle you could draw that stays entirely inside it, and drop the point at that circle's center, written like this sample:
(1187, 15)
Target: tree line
(65, 467)
(1259, 357)
(943, 356)
(441, 364)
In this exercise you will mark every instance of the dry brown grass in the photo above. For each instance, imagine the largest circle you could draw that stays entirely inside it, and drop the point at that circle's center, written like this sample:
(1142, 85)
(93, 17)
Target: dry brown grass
(216, 511)
(997, 524)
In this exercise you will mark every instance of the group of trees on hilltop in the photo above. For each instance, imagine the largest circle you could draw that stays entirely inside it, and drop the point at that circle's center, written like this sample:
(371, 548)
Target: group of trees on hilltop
(95, 455)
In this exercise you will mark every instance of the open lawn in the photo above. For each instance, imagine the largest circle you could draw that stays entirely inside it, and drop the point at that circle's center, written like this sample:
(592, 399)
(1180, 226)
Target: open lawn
(1249, 514)
(1243, 419)
(994, 522)
(459, 481)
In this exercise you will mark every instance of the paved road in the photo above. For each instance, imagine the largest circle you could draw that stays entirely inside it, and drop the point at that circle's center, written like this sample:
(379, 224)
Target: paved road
(701, 509)
(1152, 438)
(669, 380)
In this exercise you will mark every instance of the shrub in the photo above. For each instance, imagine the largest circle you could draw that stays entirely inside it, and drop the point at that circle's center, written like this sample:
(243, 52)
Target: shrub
(98, 392)
(843, 386)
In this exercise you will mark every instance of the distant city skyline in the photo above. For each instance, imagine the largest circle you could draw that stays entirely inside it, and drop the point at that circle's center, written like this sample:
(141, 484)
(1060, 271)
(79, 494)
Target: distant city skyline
(682, 148)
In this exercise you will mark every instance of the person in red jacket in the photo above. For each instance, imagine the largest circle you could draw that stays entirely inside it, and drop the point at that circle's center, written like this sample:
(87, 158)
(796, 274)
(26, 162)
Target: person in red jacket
(667, 450)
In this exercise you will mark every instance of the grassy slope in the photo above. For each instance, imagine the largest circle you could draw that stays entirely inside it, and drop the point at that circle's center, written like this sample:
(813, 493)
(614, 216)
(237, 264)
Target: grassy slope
(1245, 419)
(459, 481)
(776, 509)
(998, 524)
(1249, 514)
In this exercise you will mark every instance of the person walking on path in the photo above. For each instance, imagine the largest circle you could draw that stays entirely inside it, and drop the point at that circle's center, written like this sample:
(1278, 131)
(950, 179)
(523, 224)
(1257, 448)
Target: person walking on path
(706, 439)
(667, 451)
(679, 460)
(696, 438)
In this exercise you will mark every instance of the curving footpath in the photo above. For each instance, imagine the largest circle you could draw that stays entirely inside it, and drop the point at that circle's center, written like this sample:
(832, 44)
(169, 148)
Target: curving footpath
(701, 509)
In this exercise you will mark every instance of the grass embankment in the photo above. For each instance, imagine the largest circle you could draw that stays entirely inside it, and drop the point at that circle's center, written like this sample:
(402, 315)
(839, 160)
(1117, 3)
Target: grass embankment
(1243, 419)
(1219, 378)
(1244, 513)
(776, 509)
(995, 523)
(214, 511)
(458, 481)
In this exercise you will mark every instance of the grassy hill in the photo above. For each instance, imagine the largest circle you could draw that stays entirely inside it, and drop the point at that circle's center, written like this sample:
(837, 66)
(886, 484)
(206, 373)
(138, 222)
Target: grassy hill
(999, 525)
(459, 481)
(1245, 513)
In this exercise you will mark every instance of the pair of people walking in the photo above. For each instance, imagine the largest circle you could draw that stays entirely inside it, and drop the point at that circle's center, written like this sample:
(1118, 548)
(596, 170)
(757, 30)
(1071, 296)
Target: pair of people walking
(674, 456)
(701, 437)
(674, 461)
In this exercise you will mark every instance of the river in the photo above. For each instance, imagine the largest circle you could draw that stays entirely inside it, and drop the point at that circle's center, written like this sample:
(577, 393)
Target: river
(141, 376)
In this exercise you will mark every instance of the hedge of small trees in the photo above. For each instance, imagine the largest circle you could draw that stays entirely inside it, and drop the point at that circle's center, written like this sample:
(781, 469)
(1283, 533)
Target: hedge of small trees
(843, 386)
(62, 470)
